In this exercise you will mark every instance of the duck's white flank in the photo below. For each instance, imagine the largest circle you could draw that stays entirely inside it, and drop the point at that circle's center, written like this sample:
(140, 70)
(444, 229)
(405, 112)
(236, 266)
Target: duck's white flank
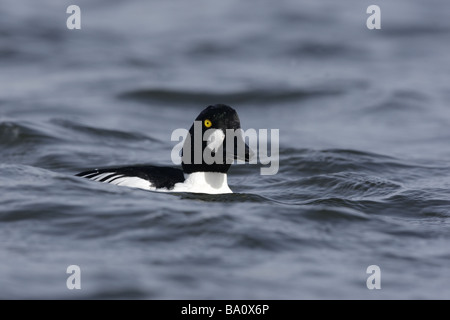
(204, 182)
(119, 180)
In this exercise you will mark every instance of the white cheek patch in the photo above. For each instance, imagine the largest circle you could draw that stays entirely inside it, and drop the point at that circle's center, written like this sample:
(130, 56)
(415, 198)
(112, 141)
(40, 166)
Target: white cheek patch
(214, 139)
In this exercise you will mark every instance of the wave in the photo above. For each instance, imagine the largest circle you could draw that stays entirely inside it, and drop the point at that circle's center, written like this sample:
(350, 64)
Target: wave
(259, 96)
(24, 133)
(98, 134)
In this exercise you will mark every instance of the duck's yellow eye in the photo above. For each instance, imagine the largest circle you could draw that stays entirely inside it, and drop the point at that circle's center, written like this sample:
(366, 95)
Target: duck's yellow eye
(207, 123)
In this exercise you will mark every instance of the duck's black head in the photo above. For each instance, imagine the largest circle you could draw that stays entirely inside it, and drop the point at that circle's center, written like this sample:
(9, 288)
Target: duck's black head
(211, 125)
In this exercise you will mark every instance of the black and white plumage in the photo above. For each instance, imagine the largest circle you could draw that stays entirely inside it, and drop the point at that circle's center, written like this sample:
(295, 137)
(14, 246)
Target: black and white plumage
(160, 177)
(195, 176)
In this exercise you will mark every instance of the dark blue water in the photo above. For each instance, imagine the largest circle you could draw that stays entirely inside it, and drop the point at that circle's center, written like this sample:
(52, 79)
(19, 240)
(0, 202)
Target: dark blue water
(364, 173)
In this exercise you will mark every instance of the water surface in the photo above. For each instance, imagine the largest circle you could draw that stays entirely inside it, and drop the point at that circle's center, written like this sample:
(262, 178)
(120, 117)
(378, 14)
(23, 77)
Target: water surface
(364, 149)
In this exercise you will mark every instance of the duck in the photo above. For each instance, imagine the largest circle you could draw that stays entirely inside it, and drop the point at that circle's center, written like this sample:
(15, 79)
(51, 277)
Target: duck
(205, 158)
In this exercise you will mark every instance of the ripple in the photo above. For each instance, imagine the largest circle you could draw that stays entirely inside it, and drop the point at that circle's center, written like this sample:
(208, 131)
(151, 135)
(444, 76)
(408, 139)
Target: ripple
(308, 161)
(350, 185)
(332, 213)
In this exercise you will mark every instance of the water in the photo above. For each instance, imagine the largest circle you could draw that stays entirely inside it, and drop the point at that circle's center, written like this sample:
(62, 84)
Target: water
(364, 149)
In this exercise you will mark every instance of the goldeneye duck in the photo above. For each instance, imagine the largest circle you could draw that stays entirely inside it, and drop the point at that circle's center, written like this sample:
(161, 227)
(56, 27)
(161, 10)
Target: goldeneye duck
(199, 174)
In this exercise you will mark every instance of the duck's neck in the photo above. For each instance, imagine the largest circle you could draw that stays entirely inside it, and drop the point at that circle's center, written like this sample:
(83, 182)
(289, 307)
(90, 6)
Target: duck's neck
(207, 182)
